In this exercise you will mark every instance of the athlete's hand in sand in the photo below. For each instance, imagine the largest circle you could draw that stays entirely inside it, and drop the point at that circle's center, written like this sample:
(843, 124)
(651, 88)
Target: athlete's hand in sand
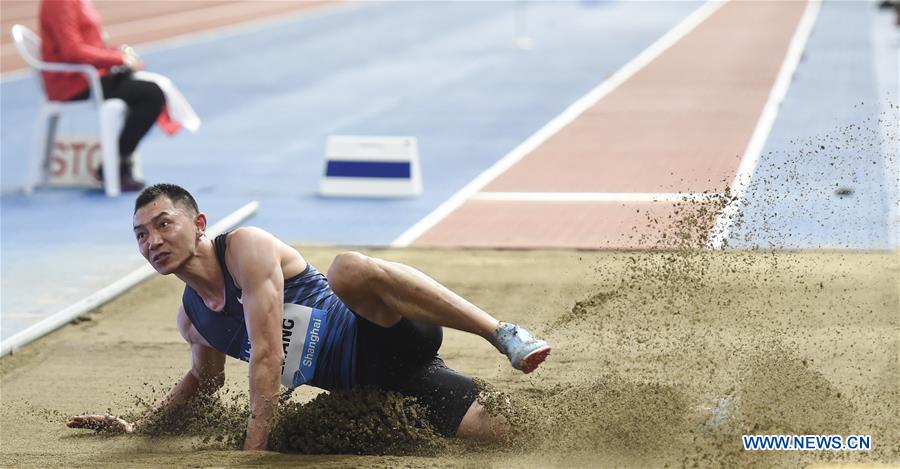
(104, 423)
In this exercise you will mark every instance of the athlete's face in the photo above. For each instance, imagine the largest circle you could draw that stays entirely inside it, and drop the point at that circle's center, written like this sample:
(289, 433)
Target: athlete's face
(167, 234)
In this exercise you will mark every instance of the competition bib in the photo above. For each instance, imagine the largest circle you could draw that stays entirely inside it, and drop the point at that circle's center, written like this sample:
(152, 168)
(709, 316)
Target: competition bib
(301, 329)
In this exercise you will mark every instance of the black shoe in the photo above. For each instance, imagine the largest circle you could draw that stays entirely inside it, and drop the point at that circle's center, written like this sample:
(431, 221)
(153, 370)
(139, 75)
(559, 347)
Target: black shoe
(127, 181)
(129, 184)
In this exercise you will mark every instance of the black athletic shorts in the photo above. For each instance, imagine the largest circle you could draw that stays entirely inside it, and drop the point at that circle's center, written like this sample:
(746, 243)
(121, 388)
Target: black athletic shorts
(403, 358)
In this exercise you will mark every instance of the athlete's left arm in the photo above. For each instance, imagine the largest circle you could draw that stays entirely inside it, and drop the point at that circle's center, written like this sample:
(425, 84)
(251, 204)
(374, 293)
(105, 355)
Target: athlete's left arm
(255, 262)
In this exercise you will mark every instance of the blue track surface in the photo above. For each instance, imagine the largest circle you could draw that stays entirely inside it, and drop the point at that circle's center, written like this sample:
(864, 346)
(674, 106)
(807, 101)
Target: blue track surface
(446, 73)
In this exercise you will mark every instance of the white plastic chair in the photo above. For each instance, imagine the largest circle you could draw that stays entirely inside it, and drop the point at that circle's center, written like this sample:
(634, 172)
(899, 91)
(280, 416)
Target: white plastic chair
(111, 113)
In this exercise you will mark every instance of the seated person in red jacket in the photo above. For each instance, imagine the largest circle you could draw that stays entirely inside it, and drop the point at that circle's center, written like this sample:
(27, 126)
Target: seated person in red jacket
(71, 33)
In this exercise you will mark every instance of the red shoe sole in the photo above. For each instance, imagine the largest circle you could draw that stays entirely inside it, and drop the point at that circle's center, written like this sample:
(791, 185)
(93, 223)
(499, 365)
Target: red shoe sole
(533, 359)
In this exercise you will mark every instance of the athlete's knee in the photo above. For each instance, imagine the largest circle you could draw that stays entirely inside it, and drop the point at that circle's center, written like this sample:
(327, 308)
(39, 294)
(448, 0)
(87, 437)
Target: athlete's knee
(351, 272)
(480, 424)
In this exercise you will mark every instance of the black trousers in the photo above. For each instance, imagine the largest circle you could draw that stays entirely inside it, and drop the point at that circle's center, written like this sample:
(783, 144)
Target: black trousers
(145, 101)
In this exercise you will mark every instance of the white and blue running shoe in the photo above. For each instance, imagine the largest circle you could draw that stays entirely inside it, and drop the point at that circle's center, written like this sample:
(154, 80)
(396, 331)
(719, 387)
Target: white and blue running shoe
(524, 351)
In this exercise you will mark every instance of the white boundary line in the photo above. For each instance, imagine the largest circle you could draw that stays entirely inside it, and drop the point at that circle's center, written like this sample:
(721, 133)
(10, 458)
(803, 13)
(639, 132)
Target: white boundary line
(560, 121)
(722, 229)
(216, 11)
(244, 27)
(15, 75)
(594, 196)
(111, 291)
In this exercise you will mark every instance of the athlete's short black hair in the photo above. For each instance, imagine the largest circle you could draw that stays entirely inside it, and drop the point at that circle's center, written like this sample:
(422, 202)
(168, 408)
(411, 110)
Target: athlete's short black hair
(177, 194)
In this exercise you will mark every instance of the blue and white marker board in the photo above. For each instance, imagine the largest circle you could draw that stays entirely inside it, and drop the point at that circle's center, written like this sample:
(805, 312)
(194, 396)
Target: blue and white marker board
(368, 166)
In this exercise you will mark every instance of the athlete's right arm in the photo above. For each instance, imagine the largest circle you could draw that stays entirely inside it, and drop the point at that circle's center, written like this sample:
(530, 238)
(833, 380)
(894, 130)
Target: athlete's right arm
(206, 376)
(207, 373)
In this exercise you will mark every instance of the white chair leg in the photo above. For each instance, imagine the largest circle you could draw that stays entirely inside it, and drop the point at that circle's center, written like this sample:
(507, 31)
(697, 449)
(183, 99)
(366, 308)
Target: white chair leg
(41, 147)
(111, 116)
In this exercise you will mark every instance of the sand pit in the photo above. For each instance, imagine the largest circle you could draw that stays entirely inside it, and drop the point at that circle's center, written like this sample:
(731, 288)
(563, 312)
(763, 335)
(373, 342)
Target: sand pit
(661, 358)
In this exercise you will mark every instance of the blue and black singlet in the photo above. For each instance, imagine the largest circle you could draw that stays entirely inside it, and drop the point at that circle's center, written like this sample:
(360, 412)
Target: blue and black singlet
(318, 330)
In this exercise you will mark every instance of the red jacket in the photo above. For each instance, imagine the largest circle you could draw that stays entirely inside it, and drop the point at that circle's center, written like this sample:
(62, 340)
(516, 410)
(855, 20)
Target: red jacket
(71, 33)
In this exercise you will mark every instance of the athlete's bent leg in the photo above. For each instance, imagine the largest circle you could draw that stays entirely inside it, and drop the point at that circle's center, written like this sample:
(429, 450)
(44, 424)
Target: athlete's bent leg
(383, 292)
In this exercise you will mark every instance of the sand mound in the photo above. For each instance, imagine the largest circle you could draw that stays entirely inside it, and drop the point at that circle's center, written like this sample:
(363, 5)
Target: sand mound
(220, 418)
(365, 421)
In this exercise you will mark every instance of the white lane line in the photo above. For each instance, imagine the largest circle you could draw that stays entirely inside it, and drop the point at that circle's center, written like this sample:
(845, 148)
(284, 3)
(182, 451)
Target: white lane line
(245, 27)
(722, 229)
(595, 196)
(218, 11)
(111, 291)
(14, 75)
(560, 121)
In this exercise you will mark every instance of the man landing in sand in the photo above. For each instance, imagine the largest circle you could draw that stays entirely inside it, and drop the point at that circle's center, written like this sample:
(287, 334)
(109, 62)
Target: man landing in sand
(369, 323)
